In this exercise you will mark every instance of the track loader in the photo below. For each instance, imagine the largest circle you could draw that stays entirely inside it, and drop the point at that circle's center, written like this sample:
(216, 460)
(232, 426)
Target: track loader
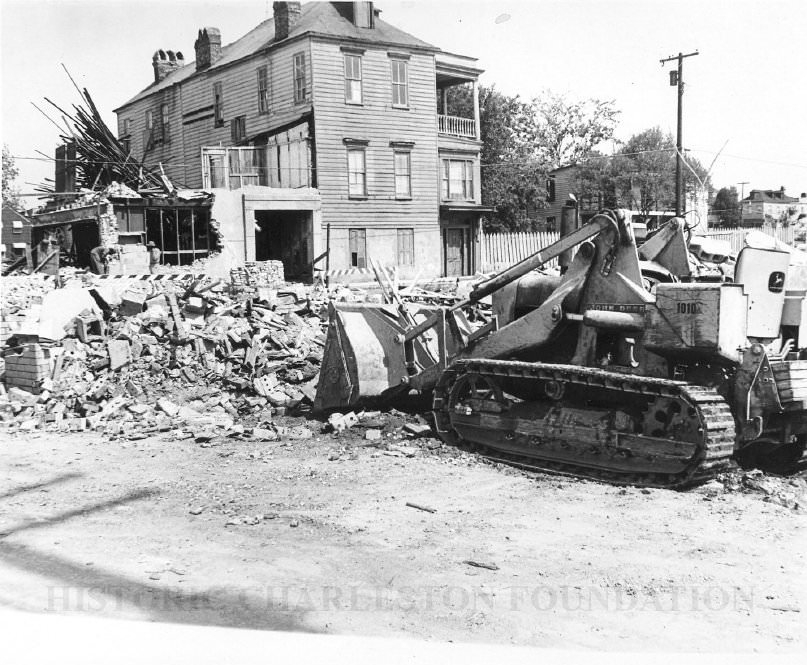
(598, 372)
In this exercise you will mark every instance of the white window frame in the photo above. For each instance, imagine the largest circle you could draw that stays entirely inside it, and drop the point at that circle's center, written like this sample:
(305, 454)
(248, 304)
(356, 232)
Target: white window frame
(466, 182)
(402, 176)
(357, 178)
(400, 84)
(353, 78)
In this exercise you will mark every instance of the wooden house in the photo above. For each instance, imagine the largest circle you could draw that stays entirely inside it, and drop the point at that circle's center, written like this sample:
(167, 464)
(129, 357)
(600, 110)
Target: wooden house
(323, 128)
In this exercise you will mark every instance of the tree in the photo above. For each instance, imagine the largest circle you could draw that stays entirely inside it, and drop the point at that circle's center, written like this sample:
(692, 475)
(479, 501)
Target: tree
(726, 206)
(564, 132)
(522, 141)
(641, 174)
(513, 178)
(11, 194)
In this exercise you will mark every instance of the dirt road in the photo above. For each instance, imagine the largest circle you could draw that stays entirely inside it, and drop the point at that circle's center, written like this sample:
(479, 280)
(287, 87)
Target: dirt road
(315, 535)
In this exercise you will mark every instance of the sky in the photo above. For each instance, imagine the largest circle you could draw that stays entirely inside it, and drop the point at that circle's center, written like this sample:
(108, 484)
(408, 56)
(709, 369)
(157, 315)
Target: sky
(745, 100)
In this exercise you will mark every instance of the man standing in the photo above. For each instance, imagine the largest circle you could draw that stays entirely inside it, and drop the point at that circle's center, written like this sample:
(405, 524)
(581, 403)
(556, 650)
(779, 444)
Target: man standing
(154, 256)
(98, 260)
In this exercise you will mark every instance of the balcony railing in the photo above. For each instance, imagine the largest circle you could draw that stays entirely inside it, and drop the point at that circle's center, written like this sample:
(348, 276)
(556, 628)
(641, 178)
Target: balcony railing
(286, 166)
(454, 126)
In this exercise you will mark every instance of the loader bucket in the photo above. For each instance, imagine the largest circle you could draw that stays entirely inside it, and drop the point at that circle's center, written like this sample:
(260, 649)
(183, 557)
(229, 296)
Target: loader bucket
(363, 357)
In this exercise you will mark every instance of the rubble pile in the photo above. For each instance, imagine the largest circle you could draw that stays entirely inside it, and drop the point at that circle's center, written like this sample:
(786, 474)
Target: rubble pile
(21, 295)
(165, 355)
(789, 492)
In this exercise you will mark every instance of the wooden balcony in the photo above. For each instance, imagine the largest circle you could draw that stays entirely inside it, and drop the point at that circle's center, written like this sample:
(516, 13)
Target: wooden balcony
(451, 125)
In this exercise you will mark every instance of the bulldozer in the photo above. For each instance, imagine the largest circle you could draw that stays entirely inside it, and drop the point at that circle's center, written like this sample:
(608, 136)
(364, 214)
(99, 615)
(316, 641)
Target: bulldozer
(598, 370)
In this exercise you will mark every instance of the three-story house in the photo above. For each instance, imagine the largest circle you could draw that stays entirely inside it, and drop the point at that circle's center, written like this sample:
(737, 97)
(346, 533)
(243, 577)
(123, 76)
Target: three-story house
(324, 128)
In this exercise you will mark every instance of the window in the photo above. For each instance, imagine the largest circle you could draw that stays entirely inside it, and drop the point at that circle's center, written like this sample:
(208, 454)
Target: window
(406, 247)
(232, 168)
(263, 90)
(457, 179)
(148, 133)
(550, 189)
(163, 133)
(16, 227)
(125, 139)
(182, 234)
(357, 173)
(400, 82)
(403, 174)
(300, 88)
(218, 105)
(358, 247)
(352, 79)
(238, 128)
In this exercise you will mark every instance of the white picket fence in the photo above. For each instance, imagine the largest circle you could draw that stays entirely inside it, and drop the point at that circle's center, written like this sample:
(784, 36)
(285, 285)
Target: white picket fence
(501, 250)
(784, 234)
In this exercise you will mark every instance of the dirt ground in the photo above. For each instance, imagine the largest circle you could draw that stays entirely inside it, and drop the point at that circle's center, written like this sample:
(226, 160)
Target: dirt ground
(315, 535)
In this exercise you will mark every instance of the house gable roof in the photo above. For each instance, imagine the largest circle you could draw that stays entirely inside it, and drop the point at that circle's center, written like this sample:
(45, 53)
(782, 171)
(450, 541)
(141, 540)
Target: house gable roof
(770, 196)
(11, 215)
(316, 18)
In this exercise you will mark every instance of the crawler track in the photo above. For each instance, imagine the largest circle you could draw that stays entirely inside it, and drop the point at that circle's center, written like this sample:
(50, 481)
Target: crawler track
(586, 422)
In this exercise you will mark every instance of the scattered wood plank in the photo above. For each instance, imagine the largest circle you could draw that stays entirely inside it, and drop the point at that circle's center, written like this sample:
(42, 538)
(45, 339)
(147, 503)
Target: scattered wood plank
(481, 564)
(417, 506)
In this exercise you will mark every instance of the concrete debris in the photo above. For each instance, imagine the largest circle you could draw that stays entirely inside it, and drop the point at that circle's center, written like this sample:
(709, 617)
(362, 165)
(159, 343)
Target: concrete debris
(340, 422)
(417, 430)
(161, 355)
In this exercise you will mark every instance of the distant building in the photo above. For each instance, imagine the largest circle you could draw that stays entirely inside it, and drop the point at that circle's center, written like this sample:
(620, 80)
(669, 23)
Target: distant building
(323, 126)
(769, 206)
(16, 233)
(562, 188)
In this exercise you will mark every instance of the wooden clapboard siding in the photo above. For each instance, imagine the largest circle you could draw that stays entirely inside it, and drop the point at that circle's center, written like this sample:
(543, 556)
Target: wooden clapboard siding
(378, 123)
(240, 93)
(167, 152)
(190, 98)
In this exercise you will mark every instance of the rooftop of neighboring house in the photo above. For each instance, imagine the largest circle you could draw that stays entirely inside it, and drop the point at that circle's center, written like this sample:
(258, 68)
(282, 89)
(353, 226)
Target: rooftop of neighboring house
(11, 215)
(329, 19)
(770, 196)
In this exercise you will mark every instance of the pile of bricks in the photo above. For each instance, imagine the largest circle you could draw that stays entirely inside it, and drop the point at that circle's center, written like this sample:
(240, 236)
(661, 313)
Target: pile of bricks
(166, 355)
(21, 294)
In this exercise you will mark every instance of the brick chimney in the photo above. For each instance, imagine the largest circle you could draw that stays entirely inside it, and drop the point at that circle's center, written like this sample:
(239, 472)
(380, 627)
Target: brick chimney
(286, 16)
(208, 47)
(165, 62)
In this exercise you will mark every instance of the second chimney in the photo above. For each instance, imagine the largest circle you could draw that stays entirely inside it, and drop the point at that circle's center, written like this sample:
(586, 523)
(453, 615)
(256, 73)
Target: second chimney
(208, 47)
(165, 62)
(286, 16)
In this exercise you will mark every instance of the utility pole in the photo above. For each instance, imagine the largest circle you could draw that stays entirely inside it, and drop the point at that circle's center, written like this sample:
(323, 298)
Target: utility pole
(677, 78)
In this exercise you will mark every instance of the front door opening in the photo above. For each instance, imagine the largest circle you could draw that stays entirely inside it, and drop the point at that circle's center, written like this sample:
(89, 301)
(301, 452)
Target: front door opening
(456, 251)
(287, 236)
